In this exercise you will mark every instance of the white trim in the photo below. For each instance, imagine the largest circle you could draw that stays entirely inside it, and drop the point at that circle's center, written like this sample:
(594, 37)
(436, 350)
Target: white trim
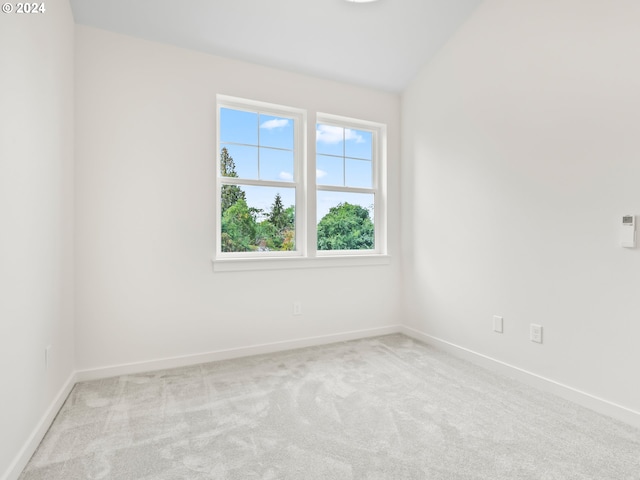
(26, 452)
(592, 402)
(299, 184)
(585, 399)
(379, 170)
(284, 263)
(339, 188)
(257, 183)
(186, 360)
(30, 446)
(305, 181)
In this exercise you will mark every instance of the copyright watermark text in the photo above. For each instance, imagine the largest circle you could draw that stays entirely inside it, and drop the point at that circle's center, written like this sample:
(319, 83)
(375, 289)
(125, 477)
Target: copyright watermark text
(23, 7)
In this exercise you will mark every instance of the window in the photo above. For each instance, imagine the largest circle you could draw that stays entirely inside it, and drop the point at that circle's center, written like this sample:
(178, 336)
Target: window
(259, 179)
(349, 197)
(272, 207)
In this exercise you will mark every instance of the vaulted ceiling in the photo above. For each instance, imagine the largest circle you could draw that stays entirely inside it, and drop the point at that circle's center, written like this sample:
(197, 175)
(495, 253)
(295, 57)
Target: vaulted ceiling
(381, 44)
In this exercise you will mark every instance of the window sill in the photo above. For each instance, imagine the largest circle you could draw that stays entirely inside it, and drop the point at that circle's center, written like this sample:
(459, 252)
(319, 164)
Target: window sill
(284, 263)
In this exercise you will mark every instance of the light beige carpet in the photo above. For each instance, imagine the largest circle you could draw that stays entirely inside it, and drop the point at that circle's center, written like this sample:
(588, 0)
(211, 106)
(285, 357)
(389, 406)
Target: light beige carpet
(381, 408)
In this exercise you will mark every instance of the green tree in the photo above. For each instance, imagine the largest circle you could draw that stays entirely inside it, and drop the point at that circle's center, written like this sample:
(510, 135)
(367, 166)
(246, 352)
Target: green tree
(278, 214)
(238, 229)
(290, 212)
(230, 193)
(278, 229)
(267, 237)
(346, 227)
(289, 233)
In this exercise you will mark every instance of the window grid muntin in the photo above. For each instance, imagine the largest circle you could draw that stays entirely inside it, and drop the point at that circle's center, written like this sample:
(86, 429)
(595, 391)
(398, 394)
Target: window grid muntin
(298, 118)
(305, 199)
(377, 157)
(259, 113)
(344, 157)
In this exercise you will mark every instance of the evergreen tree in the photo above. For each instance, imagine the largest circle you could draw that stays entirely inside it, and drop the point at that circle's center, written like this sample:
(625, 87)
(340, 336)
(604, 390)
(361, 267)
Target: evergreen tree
(277, 231)
(230, 193)
(278, 216)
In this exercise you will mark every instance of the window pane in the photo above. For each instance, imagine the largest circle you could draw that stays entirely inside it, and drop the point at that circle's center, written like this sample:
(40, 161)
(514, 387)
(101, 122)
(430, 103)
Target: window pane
(329, 170)
(358, 173)
(358, 144)
(276, 132)
(345, 221)
(238, 127)
(257, 219)
(276, 165)
(329, 140)
(240, 161)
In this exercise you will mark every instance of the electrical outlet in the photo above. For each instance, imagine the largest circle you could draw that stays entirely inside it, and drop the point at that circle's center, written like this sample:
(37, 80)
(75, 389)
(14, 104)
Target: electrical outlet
(535, 333)
(297, 308)
(498, 324)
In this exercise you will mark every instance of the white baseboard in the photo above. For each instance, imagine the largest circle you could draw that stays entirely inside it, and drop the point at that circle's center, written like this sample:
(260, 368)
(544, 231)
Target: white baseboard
(592, 402)
(587, 400)
(30, 446)
(186, 360)
(21, 460)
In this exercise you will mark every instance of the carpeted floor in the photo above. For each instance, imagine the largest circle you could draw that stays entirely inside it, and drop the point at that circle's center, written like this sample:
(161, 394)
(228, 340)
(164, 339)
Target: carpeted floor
(382, 408)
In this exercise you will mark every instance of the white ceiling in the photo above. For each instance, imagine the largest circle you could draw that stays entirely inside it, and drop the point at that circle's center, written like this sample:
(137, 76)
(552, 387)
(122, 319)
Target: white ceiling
(381, 44)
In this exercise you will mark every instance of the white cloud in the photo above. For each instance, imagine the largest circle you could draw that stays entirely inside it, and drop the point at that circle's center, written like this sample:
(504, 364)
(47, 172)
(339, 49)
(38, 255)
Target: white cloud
(285, 176)
(331, 135)
(352, 135)
(274, 123)
(320, 173)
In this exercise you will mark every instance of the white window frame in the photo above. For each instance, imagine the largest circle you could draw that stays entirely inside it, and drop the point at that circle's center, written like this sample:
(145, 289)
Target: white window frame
(299, 174)
(306, 253)
(378, 182)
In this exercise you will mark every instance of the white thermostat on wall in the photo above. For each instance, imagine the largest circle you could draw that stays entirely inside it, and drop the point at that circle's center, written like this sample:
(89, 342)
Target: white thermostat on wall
(628, 231)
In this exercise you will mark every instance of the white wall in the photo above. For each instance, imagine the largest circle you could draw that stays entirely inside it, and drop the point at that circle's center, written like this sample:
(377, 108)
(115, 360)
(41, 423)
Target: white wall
(521, 151)
(145, 210)
(36, 221)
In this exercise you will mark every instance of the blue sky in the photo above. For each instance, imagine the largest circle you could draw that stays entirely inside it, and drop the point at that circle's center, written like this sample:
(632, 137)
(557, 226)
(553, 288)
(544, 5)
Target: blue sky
(262, 148)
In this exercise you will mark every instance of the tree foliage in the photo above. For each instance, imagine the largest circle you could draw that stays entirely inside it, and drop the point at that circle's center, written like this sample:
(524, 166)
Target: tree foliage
(230, 193)
(281, 223)
(238, 230)
(346, 227)
(277, 215)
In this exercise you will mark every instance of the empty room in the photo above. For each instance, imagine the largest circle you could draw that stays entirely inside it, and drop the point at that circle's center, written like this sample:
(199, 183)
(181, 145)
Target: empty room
(320, 239)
